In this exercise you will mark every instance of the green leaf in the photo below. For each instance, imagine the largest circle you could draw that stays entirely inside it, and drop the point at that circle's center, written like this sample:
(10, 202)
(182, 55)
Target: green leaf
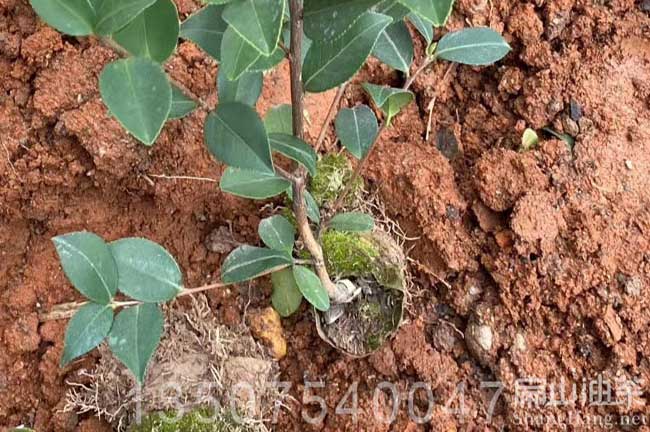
(286, 297)
(395, 47)
(206, 28)
(279, 119)
(235, 134)
(277, 233)
(313, 212)
(392, 8)
(352, 222)
(568, 139)
(259, 22)
(330, 19)
(248, 262)
(329, 64)
(86, 330)
(390, 100)
(311, 288)
(87, 262)
(435, 11)
(478, 46)
(295, 149)
(252, 184)
(237, 55)
(72, 17)
(135, 336)
(357, 129)
(264, 63)
(138, 94)
(246, 89)
(181, 104)
(112, 15)
(153, 33)
(148, 272)
(424, 27)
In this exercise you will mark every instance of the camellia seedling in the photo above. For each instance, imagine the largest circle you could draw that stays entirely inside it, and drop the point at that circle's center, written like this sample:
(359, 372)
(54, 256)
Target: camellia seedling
(325, 46)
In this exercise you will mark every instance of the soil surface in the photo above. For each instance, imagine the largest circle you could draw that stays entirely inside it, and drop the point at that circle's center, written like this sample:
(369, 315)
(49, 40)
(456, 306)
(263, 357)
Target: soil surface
(527, 264)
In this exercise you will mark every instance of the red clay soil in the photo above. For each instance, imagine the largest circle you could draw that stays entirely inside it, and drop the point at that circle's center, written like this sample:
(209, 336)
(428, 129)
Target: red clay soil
(529, 264)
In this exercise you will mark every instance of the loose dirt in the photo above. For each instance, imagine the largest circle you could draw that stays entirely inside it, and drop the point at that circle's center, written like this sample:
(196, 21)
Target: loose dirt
(532, 264)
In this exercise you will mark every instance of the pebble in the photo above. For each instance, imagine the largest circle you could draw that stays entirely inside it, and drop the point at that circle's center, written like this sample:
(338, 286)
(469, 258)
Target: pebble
(570, 126)
(575, 110)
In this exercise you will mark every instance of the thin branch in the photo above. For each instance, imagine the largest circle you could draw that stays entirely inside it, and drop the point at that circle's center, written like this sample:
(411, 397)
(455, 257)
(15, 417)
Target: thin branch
(67, 310)
(175, 177)
(296, 68)
(110, 43)
(330, 116)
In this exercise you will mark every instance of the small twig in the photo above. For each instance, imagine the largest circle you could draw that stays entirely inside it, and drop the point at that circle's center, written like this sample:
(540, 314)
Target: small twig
(11, 165)
(435, 97)
(67, 310)
(110, 43)
(330, 115)
(181, 177)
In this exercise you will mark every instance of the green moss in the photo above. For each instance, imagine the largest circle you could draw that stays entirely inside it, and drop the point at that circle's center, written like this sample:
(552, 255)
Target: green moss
(348, 254)
(333, 173)
(199, 420)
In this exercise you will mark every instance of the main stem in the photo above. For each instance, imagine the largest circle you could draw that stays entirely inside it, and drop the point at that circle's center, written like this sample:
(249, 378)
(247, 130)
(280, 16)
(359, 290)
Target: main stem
(299, 181)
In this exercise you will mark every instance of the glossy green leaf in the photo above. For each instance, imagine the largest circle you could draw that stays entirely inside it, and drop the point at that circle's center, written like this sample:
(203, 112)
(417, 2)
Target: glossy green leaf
(258, 22)
(313, 212)
(87, 262)
(237, 55)
(248, 262)
(235, 134)
(138, 94)
(72, 17)
(286, 297)
(435, 11)
(424, 27)
(357, 129)
(477, 46)
(331, 63)
(153, 33)
(390, 100)
(395, 47)
(311, 288)
(247, 89)
(112, 15)
(352, 222)
(277, 233)
(206, 28)
(135, 336)
(330, 19)
(86, 330)
(181, 104)
(279, 119)
(252, 184)
(295, 149)
(392, 8)
(147, 271)
(264, 63)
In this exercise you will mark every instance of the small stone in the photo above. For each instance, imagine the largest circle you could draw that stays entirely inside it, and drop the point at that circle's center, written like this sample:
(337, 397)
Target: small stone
(267, 326)
(554, 107)
(645, 5)
(633, 286)
(575, 110)
(585, 124)
(570, 126)
(484, 337)
(220, 240)
(447, 143)
(505, 239)
(519, 343)
(452, 213)
(628, 164)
